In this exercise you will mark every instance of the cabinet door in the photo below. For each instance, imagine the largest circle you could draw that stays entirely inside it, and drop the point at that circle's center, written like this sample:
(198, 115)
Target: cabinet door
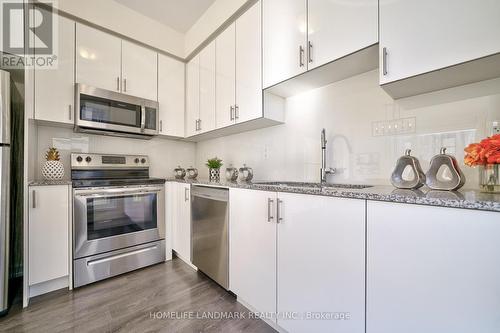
(98, 58)
(338, 28)
(432, 269)
(321, 262)
(171, 96)
(207, 89)
(284, 39)
(249, 65)
(48, 233)
(54, 87)
(426, 35)
(182, 230)
(225, 79)
(252, 267)
(139, 71)
(192, 95)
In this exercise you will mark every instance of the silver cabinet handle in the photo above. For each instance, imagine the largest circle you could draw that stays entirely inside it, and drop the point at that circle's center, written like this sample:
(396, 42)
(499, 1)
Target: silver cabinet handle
(269, 207)
(199, 124)
(124, 85)
(309, 51)
(236, 112)
(161, 125)
(301, 56)
(186, 194)
(33, 199)
(278, 211)
(231, 110)
(70, 114)
(384, 61)
(118, 83)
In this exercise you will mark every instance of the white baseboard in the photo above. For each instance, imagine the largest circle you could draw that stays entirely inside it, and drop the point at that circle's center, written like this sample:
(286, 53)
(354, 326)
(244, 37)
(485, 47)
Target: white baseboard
(271, 323)
(187, 261)
(48, 286)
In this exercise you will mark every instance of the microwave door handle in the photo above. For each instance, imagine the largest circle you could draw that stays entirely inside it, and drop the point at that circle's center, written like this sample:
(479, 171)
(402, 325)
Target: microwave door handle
(143, 118)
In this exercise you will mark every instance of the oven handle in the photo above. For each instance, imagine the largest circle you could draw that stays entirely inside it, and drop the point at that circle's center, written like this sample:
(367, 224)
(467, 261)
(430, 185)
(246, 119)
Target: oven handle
(118, 256)
(118, 194)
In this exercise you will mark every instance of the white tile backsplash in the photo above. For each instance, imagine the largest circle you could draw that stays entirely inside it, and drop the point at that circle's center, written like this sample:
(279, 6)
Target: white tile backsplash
(164, 154)
(347, 109)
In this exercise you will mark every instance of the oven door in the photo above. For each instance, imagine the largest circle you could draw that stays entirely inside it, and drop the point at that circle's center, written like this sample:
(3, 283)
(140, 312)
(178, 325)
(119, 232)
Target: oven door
(115, 218)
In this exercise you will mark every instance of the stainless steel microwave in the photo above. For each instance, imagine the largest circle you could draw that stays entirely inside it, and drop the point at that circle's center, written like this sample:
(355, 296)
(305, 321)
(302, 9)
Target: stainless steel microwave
(107, 112)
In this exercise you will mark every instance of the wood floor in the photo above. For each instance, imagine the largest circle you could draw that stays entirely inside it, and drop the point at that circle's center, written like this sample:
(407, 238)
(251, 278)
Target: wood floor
(130, 302)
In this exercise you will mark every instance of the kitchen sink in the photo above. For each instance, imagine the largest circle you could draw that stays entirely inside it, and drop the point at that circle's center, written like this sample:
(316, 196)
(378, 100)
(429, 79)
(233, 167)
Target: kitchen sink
(313, 185)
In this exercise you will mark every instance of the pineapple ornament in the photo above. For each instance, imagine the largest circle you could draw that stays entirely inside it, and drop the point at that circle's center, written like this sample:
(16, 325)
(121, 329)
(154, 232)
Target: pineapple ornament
(53, 169)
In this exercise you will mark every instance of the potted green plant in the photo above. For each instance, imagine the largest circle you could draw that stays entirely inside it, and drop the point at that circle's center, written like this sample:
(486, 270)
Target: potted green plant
(214, 164)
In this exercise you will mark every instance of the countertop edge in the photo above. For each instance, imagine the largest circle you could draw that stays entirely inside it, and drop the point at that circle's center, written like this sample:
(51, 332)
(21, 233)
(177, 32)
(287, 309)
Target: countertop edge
(457, 199)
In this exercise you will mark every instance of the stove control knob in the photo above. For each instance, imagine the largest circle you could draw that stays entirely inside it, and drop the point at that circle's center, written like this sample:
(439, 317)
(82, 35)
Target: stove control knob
(136, 160)
(88, 159)
(143, 160)
(79, 159)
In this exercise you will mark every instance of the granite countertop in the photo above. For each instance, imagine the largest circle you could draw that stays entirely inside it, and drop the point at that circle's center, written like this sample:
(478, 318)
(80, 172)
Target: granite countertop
(467, 199)
(45, 182)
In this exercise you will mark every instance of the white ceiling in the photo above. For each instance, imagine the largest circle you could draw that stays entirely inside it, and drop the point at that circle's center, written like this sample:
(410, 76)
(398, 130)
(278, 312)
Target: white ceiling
(180, 15)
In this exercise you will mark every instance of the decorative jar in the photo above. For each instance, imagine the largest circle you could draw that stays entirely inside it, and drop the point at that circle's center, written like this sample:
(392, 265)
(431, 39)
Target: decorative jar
(489, 178)
(214, 175)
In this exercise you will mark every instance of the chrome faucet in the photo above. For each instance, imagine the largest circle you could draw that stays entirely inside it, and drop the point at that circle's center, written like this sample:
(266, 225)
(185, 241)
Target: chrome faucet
(324, 171)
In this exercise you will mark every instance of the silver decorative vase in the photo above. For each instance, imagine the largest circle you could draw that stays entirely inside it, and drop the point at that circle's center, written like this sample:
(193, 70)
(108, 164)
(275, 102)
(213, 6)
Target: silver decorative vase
(214, 175)
(489, 178)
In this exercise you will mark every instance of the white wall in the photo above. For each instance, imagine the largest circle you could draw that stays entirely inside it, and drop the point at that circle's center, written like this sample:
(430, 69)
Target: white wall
(164, 154)
(218, 13)
(123, 20)
(347, 109)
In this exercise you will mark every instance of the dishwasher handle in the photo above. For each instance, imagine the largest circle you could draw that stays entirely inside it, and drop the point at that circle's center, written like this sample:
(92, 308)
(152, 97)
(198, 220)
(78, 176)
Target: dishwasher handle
(211, 193)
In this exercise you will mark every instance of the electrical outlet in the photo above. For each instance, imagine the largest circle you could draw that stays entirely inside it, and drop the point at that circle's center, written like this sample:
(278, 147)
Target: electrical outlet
(495, 128)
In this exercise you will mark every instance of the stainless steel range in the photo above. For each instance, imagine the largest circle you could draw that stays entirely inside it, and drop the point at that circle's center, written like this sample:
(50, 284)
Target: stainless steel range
(119, 216)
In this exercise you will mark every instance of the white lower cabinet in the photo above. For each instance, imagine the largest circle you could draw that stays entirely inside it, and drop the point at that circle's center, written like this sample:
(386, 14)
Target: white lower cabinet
(179, 195)
(252, 263)
(432, 269)
(299, 256)
(321, 264)
(48, 238)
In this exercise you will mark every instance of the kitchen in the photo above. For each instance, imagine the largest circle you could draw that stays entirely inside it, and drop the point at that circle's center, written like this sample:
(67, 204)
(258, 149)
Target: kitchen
(308, 165)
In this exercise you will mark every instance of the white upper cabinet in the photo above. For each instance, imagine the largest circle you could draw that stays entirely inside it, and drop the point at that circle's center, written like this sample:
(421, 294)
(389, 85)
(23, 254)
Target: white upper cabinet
(107, 62)
(432, 269)
(427, 35)
(252, 266)
(54, 93)
(98, 57)
(139, 71)
(207, 89)
(321, 262)
(192, 95)
(284, 39)
(171, 96)
(225, 79)
(249, 65)
(338, 28)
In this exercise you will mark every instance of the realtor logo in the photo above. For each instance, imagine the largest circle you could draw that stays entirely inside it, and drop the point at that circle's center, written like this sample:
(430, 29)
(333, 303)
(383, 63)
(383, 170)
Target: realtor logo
(29, 32)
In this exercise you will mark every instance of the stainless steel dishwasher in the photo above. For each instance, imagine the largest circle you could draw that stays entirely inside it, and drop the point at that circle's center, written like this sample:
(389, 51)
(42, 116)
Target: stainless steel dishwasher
(209, 232)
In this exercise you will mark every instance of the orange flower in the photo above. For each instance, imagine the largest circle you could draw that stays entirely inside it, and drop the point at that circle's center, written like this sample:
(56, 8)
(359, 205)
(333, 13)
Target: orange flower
(485, 152)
